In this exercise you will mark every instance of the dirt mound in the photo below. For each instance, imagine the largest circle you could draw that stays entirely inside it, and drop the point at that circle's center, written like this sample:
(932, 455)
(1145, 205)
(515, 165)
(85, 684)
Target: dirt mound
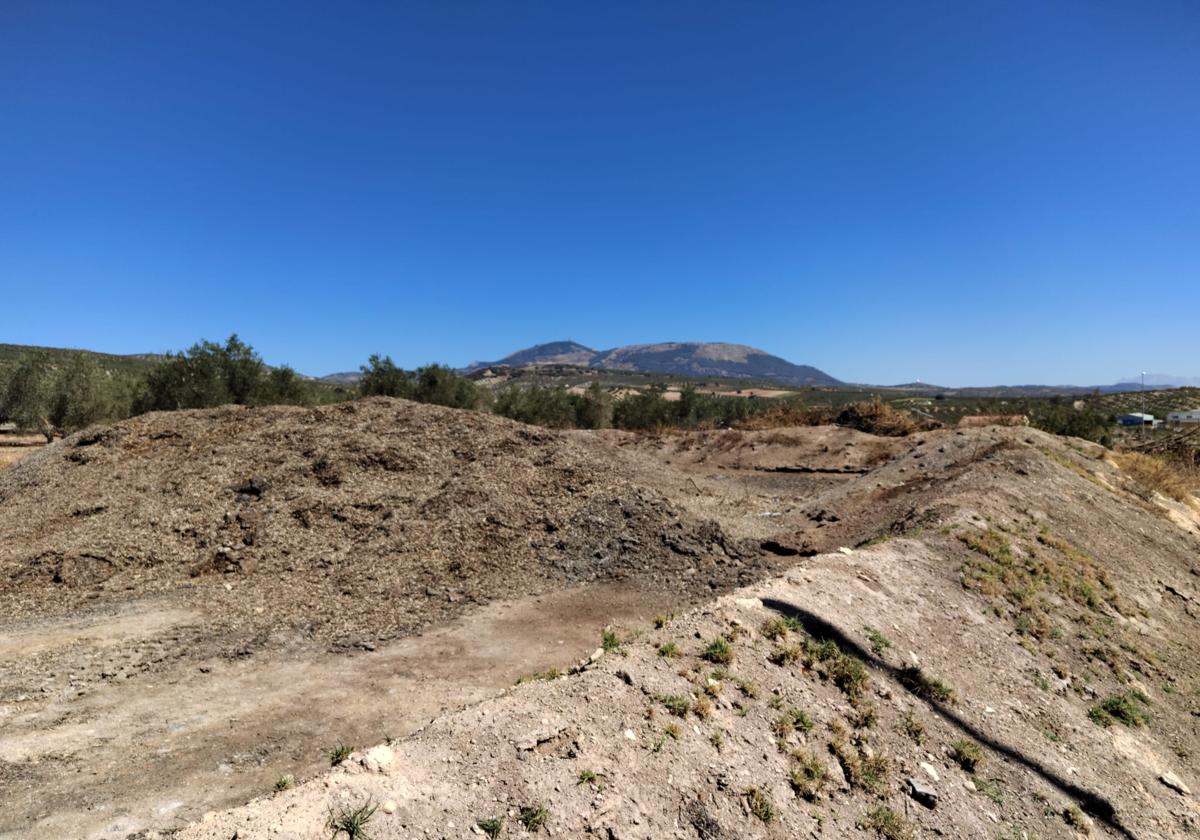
(1011, 655)
(368, 519)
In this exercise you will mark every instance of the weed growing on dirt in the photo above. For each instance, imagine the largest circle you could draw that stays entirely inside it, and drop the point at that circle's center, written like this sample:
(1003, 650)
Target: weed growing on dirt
(702, 707)
(879, 642)
(1126, 709)
(967, 754)
(284, 782)
(785, 655)
(776, 628)
(673, 731)
(350, 821)
(808, 775)
(717, 740)
(339, 754)
(536, 676)
(587, 777)
(913, 728)
(533, 817)
(790, 721)
(760, 804)
(491, 826)
(887, 824)
(677, 704)
(746, 687)
(719, 651)
(991, 789)
(923, 685)
(668, 650)
(610, 642)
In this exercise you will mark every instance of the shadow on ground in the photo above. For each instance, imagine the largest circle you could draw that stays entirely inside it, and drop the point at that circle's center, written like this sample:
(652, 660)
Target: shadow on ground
(1092, 803)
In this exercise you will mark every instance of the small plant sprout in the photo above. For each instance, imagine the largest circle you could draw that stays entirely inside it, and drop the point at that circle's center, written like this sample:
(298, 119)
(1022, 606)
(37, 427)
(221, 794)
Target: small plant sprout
(879, 642)
(668, 650)
(760, 804)
(587, 777)
(719, 651)
(350, 821)
(533, 817)
(339, 754)
(677, 704)
(888, 824)
(491, 826)
(284, 782)
(967, 754)
(610, 642)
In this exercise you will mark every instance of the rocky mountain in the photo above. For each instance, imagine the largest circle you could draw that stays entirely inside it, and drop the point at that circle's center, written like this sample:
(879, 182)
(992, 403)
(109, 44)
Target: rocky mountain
(689, 358)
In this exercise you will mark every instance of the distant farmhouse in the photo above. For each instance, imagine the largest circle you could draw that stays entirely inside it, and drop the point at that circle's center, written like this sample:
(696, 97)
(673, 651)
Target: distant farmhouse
(1179, 418)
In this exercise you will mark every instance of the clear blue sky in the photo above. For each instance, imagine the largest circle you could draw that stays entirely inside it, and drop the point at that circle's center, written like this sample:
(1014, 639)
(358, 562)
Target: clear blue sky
(968, 193)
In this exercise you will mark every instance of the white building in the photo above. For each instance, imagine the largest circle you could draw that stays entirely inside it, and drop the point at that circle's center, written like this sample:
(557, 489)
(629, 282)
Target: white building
(1178, 418)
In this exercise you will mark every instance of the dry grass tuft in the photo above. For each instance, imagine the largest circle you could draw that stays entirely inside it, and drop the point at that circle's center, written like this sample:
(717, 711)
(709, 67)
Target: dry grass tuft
(1160, 475)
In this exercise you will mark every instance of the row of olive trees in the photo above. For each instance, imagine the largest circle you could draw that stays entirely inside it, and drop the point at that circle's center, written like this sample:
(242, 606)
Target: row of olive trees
(39, 398)
(45, 395)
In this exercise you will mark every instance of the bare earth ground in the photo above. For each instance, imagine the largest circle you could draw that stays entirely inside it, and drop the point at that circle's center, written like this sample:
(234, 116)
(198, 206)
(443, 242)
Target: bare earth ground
(15, 447)
(158, 665)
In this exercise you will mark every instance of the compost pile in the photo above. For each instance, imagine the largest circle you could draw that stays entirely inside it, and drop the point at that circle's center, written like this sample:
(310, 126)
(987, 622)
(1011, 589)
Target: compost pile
(362, 520)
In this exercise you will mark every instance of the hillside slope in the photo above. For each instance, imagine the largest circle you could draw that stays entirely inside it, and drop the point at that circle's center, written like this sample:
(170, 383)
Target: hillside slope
(965, 673)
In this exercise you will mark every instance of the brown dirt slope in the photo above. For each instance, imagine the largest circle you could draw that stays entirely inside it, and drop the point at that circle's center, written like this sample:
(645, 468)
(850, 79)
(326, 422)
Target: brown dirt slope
(365, 520)
(1012, 655)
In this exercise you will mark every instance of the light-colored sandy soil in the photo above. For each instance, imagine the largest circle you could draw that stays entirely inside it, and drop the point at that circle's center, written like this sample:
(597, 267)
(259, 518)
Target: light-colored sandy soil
(155, 748)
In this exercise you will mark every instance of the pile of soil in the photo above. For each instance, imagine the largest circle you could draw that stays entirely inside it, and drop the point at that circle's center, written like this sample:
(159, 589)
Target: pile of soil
(366, 520)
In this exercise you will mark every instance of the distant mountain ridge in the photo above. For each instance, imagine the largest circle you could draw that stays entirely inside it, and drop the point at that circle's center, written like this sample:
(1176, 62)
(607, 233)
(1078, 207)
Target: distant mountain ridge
(681, 358)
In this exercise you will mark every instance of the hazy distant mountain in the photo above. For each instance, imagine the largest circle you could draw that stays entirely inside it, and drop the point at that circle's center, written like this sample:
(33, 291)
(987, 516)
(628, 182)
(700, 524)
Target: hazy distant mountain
(700, 359)
(1158, 380)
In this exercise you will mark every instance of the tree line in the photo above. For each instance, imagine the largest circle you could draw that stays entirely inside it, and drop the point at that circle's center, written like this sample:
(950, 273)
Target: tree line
(52, 396)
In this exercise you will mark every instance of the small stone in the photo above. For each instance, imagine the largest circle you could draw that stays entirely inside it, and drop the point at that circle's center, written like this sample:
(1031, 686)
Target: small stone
(1175, 783)
(969, 785)
(929, 768)
(845, 550)
(630, 735)
(922, 793)
(389, 806)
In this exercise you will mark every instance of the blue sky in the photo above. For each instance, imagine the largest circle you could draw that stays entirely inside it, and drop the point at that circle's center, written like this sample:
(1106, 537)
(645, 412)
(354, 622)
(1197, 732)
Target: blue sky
(966, 193)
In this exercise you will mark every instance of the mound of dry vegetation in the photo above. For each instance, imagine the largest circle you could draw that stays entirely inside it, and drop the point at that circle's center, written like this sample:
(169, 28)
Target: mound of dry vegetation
(367, 518)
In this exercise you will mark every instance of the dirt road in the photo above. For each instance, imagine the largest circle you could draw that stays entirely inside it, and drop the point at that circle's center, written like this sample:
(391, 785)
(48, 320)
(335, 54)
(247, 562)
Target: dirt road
(157, 748)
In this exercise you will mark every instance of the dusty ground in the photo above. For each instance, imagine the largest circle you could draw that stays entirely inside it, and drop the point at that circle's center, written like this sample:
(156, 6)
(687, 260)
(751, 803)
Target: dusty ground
(1030, 575)
(15, 447)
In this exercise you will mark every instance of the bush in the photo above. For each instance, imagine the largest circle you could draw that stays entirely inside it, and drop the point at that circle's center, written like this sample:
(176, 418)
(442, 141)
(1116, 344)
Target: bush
(26, 398)
(1126, 709)
(877, 418)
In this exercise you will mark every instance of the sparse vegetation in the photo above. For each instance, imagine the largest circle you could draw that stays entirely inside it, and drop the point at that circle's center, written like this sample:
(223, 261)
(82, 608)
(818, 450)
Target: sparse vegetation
(1127, 709)
(790, 721)
(677, 704)
(339, 754)
(669, 650)
(491, 826)
(887, 824)
(539, 676)
(913, 728)
(1159, 475)
(587, 777)
(785, 654)
(284, 782)
(760, 804)
(967, 754)
(350, 821)
(879, 642)
(533, 817)
(719, 651)
(923, 685)
(610, 642)
(808, 775)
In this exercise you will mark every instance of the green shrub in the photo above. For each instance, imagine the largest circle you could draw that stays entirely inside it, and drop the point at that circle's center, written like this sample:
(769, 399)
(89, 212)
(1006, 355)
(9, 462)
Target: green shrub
(1126, 709)
(967, 753)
